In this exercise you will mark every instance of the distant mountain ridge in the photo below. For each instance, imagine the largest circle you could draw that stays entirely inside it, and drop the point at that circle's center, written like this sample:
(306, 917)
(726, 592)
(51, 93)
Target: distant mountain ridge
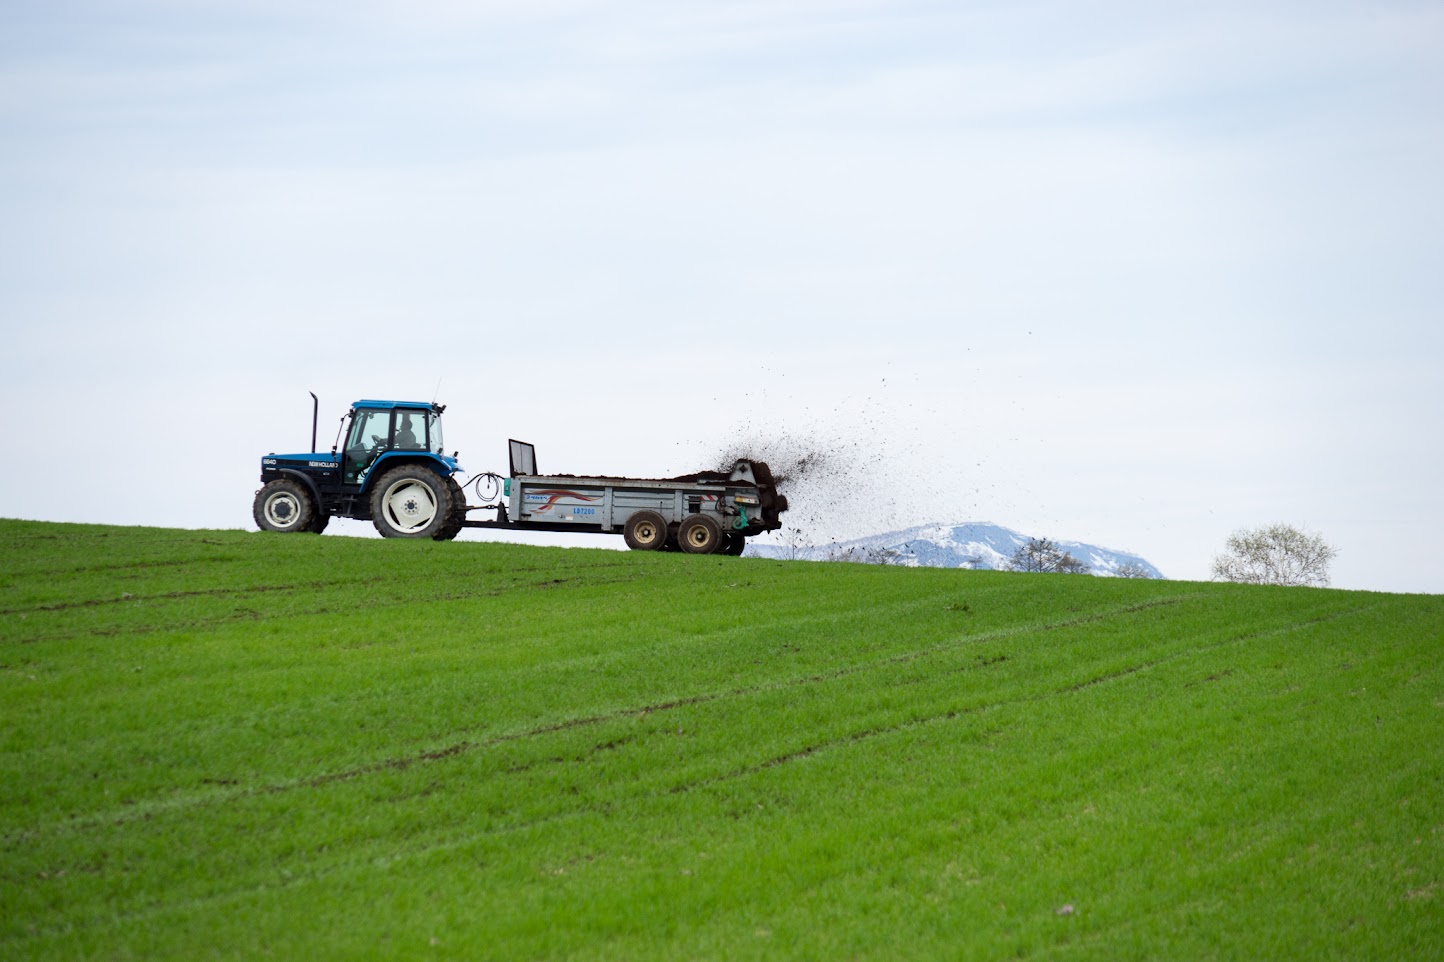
(979, 545)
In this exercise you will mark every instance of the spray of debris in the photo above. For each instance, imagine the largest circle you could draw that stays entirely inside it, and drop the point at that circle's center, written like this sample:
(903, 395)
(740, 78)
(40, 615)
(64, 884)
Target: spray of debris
(856, 470)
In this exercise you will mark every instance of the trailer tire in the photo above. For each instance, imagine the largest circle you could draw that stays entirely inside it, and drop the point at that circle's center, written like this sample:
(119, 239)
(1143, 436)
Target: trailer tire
(412, 501)
(733, 543)
(645, 531)
(700, 534)
(284, 506)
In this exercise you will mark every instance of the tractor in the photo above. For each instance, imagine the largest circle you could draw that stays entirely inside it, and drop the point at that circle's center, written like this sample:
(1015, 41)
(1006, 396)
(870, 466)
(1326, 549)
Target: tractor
(391, 471)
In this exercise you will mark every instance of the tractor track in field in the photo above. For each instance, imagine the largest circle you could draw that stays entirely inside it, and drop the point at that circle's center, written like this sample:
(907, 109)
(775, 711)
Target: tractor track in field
(744, 691)
(108, 631)
(860, 736)
(108, 539)
(131, 598)
(468, 745)
(777, 761)
(501, 826)
(236, 794)
(128, 566)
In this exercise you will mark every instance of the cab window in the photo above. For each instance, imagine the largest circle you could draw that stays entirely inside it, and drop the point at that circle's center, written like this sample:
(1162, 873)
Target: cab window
(410, 430)
(433, 428)
(369, 430)
(369, 436)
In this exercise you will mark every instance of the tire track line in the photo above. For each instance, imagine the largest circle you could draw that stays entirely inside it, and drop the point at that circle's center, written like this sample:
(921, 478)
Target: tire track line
(360, 861)
(469, 745)
(853, 738)
(113, 630)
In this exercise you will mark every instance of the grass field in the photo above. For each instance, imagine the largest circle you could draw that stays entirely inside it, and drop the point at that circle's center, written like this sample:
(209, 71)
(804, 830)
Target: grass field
(236, 745)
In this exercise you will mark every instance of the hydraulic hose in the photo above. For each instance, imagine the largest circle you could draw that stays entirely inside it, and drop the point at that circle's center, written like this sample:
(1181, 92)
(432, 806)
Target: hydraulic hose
(487, 487)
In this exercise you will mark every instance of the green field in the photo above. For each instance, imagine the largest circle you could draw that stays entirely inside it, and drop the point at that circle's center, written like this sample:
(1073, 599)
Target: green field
(222, 744)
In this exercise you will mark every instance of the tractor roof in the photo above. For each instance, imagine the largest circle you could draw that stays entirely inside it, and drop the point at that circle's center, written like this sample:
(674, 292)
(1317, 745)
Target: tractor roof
(388, 405)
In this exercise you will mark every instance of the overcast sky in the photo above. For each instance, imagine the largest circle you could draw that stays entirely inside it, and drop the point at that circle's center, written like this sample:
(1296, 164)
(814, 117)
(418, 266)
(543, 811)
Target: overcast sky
(1131, 273)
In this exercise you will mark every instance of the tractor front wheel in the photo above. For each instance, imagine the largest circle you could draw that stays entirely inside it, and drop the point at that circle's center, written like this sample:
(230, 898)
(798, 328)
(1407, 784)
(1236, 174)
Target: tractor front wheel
(415, 502)
(284, 506)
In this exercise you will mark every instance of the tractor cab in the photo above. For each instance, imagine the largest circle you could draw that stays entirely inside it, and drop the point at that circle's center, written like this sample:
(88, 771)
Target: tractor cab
(379, 427)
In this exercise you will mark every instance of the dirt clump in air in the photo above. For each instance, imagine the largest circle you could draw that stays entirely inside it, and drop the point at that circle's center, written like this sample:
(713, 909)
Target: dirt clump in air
(852, 461)
(835, 485)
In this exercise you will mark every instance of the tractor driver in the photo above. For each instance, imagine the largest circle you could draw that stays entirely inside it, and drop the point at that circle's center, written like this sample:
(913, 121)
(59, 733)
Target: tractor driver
(405, 437)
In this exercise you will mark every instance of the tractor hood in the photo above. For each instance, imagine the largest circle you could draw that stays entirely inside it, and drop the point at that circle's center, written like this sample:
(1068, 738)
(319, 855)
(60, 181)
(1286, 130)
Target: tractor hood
(315, 459)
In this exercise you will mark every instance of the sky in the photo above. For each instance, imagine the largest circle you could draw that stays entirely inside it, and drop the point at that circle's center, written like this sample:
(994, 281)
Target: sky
(1136, 274)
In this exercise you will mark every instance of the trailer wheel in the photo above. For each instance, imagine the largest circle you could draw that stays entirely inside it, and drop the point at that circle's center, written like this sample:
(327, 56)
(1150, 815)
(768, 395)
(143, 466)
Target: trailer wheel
(700, 534)
(645, 531)
(733, 543)
(412, 502)
(284, 506)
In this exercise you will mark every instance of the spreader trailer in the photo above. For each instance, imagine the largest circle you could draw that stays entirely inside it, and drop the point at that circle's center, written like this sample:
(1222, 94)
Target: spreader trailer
(393, 471)
(698, 513)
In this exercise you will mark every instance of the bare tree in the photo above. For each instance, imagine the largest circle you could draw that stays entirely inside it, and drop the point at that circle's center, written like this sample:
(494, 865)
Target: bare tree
(1131, 569)
(1042, 555)
(793, 546)
(1278, 554)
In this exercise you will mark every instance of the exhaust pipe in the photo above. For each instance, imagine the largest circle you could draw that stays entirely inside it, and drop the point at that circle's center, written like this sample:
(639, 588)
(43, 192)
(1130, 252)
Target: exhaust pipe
(315, 413)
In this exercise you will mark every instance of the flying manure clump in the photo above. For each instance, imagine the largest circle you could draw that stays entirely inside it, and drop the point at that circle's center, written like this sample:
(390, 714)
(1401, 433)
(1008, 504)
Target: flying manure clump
(792, 465)
(835, 486)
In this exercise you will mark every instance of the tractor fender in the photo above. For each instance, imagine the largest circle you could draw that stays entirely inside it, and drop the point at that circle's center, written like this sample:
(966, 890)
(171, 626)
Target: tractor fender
(445, 467)
(308, 481)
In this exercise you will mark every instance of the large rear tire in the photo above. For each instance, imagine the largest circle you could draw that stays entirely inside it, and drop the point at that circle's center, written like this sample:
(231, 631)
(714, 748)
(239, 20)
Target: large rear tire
(413, 501)
(699, 534)
(457, 521)
(645, 531)
(284, 506)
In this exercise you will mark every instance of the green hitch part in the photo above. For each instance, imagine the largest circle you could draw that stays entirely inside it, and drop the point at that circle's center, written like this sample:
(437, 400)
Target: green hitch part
(506, 488)
(741, 521)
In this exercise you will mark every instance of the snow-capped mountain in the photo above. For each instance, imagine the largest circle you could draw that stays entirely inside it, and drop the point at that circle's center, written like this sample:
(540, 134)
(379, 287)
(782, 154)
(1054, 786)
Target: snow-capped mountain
(980, 545)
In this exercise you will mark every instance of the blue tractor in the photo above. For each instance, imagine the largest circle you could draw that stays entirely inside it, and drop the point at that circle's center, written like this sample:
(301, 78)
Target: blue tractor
(391, 471)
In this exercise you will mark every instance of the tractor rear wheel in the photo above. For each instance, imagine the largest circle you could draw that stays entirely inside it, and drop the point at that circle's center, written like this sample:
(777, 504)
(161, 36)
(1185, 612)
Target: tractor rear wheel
(413, 501)
(700, 534)
(284, 506)
(645, 531)
(457, 521)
